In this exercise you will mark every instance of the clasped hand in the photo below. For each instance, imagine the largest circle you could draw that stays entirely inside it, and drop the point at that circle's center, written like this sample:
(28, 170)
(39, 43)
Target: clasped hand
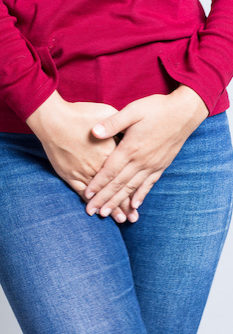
(116, 178)
(155, 128)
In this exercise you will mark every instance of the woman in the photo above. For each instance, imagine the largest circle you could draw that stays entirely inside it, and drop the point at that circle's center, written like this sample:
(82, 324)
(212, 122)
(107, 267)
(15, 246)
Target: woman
(116, 108)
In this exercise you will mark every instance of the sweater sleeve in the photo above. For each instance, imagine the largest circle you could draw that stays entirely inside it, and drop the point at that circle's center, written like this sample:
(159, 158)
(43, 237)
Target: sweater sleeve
(28, 74)
(204, 62)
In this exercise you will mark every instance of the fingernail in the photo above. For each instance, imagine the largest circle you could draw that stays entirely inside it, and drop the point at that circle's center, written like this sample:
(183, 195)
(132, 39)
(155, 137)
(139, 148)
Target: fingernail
(120, 217)
(137, 203)
(132, 217)
(90, 195)
(106, 212)
(92, 211)
(99, 130)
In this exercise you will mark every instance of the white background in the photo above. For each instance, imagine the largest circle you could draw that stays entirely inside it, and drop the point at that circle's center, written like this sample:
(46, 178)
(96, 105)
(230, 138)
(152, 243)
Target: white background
(217, 317)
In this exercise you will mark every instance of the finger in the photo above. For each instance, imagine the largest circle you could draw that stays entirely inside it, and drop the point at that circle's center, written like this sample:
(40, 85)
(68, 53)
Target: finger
(107, 192)
(144, 189)
(121, 195)
(119, 215)
(116, 123)
(78, 186)
(131, 213)
(112, 166)
(124, 212)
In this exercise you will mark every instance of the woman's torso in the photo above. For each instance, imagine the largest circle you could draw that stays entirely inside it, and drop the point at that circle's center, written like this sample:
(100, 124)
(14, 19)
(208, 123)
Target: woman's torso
(104, 51)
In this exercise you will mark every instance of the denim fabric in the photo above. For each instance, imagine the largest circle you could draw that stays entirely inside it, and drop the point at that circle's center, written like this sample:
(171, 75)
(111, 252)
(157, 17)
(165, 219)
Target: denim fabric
(65, 272)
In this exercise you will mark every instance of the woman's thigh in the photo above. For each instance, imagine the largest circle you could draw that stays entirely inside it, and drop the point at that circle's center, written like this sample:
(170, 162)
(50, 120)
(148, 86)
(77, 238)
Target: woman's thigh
(61, 270)
(175, 245)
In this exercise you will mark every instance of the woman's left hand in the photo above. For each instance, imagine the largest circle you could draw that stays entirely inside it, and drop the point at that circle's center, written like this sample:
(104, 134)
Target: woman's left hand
(156, 127)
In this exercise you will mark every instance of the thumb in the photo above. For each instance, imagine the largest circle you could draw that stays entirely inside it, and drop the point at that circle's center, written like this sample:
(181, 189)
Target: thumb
(114, 124)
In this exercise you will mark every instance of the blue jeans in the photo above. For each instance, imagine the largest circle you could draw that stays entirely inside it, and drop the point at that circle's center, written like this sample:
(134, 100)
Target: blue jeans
(65, 272)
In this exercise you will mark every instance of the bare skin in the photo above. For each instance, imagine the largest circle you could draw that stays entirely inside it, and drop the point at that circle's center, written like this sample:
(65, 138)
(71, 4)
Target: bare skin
(115, 179)
(155, 129)
(64, 130)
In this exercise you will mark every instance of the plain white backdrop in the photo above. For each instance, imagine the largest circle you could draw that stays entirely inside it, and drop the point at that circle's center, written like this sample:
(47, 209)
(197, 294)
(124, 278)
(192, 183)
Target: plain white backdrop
(217, 317)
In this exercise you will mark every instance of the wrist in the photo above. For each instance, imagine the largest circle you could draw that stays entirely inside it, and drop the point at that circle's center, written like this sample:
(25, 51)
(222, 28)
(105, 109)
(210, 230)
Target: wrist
(194, 105)
(38, 121)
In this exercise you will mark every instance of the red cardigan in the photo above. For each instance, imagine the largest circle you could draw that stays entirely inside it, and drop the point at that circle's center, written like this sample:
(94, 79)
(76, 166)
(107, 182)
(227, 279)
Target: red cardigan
(111, 51)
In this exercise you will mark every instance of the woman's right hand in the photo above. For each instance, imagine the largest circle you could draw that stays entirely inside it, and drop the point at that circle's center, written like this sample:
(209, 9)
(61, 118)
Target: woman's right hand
(64, 130)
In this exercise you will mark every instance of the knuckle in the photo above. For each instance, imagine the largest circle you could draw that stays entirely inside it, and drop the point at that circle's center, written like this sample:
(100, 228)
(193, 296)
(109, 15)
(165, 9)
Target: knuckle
(155, 164)
(127, 150)
(110, 109)
(74, 174)
(111, 123)
(136, 151)
(130, 188)
(132, 106)
(70, 173)
(112, 204)
(92, 170)
(67, 175)
(88, 178)
(116, 185)
(134, 148)
(109, 174)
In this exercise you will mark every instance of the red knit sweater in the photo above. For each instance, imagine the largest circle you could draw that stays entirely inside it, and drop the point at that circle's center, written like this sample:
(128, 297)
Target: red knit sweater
(111, 51)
